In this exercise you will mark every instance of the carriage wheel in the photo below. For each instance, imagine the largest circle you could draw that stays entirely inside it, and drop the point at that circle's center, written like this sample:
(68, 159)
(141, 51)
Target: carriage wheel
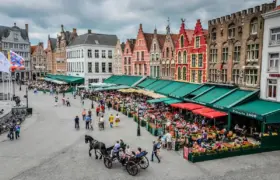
(144, 162)
(108, 163)
(132, 168)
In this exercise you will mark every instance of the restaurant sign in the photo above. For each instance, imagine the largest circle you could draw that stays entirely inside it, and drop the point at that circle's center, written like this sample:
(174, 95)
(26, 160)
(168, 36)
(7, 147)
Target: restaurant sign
(219, 107)
(274, 75)
(251, 115)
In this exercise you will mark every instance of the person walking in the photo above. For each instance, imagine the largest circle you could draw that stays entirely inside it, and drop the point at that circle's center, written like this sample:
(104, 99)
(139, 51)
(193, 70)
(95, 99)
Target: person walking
(103, 108)
(97, 110)
(84, 114)
(117, 120)
(155, 151)
(17, 131)
(87, 120)
(169, 141)
(77, 124)
(63, 101)
(68, 102)
(111, 120)
(55, 100)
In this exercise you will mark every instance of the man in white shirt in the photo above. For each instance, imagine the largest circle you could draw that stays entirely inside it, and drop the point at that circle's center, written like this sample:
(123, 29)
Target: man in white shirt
(169, 141)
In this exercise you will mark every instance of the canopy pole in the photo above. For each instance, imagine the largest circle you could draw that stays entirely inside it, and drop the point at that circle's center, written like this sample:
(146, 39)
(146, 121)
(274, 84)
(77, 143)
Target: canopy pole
(229, 121)
(263, 127)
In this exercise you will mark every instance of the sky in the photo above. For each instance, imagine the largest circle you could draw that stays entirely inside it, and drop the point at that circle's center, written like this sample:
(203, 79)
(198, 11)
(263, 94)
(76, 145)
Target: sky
(120, 17)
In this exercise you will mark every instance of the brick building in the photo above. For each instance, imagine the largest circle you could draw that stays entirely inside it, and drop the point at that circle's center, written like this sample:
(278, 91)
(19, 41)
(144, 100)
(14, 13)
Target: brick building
(117, 61)
(38, 60)
(50, 52)
(191, 52)
(155, 54)
(141, 55)
(235, 47)
(127, 56)
(62, 40)
(168, 55)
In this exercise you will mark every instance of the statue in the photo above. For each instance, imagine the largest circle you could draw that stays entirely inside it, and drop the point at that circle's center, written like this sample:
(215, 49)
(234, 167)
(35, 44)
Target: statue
(183, 20)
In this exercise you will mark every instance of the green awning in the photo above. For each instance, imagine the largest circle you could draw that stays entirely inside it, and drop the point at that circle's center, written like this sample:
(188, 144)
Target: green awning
(228, 101)
(159, 100)
(259, 109)
(113, 88)
(146, 82)
(127, 80)
(158, 85)
(201, 90)
(111, 79)
(54, 81)
(173, 101)
(212, 95)
(173, 86)
(184, 90)
(67, 79)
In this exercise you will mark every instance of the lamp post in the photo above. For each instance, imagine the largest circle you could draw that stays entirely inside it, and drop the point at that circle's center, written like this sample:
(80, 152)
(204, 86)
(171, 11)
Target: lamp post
(138, 122)
(20, 85)
(26, 96)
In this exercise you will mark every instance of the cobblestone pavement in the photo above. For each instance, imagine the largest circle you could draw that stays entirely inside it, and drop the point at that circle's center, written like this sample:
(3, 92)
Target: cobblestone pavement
(51, 149)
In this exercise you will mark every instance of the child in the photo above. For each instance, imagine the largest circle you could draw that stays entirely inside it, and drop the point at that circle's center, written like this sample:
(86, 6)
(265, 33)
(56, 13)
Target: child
(111, 120)
(117, 120)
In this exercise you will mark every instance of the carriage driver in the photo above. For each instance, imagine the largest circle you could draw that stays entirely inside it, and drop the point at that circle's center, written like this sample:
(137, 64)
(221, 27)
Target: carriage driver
(116, 149)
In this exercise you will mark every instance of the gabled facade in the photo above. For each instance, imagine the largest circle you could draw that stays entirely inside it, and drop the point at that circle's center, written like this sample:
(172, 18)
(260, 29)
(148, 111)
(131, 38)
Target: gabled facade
(168, 55)
(62, 41)
(191, 52)
(127, 56)
(141, 54)
(38, 60)
(155, 54)
(117, 61)
(235, 47)
(50, 53)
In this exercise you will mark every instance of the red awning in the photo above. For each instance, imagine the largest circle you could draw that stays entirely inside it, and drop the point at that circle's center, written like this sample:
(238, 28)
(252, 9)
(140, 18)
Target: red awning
(214, 114)
(192, 106)
(178, 105)
(202, 110)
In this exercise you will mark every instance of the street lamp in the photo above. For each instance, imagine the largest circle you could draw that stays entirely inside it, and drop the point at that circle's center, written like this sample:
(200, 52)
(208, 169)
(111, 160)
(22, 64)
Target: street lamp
(20, 85)
(138, 122)
(26, 96)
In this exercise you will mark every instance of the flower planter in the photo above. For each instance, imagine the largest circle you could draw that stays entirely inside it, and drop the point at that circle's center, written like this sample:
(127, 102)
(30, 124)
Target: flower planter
(143, 123)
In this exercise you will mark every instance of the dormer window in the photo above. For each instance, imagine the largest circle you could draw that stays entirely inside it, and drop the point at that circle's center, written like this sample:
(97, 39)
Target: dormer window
(16, 36)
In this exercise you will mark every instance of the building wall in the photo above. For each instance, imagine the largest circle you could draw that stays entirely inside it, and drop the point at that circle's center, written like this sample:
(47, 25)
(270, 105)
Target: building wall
(127, 58)
(50, 58)
(244, 69)
(141, 66)
(155, 57)
(39, 61)
(117, 61)
(60, 56)
(78, 62)
(270, 73)
(168, 59)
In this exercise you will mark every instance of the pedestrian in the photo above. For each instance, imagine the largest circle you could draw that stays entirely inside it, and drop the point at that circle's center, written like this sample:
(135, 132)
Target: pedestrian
(77, 124)
(155, 151)
(97, 110)
(11, 132)
(117, 120)
(17, 131)
(89, 113)
(55, 100)
(109, 105)
(68, 102)
(87, 120)
(103, 108)
(111, 120)
(84, 114)
(169, 141)
(83, 103)
(63, 101)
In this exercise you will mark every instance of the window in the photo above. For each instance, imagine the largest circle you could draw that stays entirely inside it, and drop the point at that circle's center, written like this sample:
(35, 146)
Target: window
(16, 36)
(236, 53)
(214, 55)
(182, 41)
(214, 34)
(179, 73)
(184, 73)
(193, 76)
(11, 45)
(82, 54)
(142, 55)
(231, 31)
(225, 55)
(93, 80)
(224, 75)
(155, 47)
(152, 57)
(185, 57)
(252, 52)
(82, 67)
(273, 62)
(199, 76)
(96, 52)
(200, 60)
(179, 57)
(129, 60)
(110, 54)
(197, 42)
(97, 67)
(254, 26)
(89, 67)
(167, 52)
(103, 67)
(193, 60)
(103, 54)
(5, 45)
(275, 36)
(251, 76)
(16, 46)
(271, 88)
(89, 53)
(137, 56)
(126, 51)
(110, 67)
(20, 46)
(235, 76)
(135, 69)
(125, 61)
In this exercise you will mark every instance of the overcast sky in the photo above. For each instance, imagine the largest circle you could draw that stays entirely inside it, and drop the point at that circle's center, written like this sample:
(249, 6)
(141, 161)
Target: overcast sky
(120, 17)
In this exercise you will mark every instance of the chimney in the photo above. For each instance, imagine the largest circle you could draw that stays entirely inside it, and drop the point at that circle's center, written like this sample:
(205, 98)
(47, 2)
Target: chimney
(140, 27)
(89, 31)
(155, 31)
(26, 28)
(62, 29)
(48, 36)
(74, 30)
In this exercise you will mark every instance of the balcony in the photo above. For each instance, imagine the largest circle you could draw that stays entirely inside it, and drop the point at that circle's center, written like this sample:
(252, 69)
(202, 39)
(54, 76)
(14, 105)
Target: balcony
(274, 43)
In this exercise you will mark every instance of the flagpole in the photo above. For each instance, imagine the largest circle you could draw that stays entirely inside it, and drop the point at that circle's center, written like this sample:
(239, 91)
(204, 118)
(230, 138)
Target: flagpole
(3, 86)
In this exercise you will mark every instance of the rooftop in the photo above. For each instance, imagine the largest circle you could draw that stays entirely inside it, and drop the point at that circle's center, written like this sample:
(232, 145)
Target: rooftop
(95, 39)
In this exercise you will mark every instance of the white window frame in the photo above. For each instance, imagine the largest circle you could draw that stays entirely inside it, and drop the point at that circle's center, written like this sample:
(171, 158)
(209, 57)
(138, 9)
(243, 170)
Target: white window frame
(250, 75)
(273, 63)
(276, 41)
(237, 53)
(197, 41)
(225, 54)
(273, 85)
(236, 76)
(253, 52)
(214, 55)
(254, 26)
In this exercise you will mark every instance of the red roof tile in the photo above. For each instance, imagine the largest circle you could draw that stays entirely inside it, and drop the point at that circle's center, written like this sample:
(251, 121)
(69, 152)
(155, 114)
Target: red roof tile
(149, 39)
(277, 8)
(174, 38)
(131, 43)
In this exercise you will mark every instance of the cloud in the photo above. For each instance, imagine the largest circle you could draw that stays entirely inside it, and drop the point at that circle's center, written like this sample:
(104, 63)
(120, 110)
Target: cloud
(120, 17)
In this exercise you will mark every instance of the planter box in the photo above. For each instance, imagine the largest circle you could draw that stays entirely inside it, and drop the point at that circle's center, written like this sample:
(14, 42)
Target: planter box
(143, 123)
(147, 126)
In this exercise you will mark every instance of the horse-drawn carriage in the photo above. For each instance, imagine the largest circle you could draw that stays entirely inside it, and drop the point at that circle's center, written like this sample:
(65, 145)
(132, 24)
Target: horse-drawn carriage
(132, 162)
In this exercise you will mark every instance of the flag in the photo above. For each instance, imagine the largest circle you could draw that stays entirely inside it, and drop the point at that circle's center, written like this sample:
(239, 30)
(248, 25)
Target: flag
(16, 60)
(4, 64)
